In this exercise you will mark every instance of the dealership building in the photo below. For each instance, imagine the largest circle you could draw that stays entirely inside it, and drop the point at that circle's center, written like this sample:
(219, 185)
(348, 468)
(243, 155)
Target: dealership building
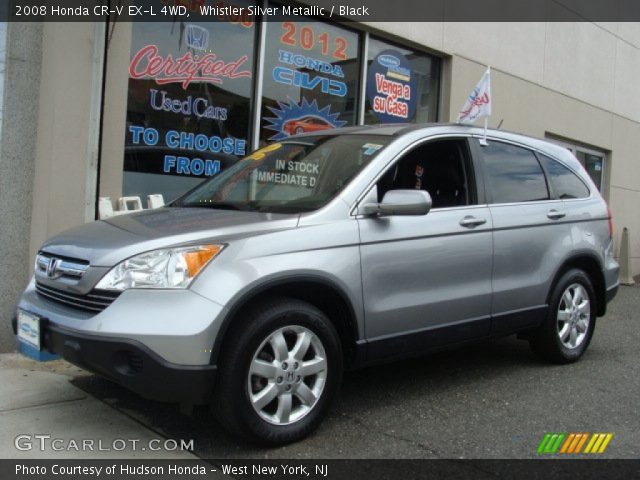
(120, 109)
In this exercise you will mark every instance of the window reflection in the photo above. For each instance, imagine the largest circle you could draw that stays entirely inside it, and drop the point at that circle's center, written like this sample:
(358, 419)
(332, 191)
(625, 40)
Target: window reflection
(514, 174)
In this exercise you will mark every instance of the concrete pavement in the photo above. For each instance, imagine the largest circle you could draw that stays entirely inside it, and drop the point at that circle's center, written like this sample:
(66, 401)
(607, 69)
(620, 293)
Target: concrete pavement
(39, 406)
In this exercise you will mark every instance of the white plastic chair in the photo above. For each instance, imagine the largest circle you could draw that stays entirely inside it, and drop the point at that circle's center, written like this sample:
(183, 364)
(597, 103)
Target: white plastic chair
(129, 204)
(155, 200)
(105, 208)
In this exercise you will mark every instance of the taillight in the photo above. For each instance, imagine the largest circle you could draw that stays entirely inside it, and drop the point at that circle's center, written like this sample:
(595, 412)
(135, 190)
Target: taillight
(609, 218)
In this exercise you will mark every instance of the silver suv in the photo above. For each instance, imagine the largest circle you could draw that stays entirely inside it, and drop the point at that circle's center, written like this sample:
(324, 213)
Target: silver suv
(323, 252)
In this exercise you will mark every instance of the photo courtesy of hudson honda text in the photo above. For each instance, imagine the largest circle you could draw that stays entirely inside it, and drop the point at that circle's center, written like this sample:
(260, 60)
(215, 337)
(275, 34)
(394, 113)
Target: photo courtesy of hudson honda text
(112, 470)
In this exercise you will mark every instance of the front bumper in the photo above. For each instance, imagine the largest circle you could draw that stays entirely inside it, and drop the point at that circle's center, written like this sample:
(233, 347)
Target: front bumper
(156, 343)
(132, 365)
(179, 326)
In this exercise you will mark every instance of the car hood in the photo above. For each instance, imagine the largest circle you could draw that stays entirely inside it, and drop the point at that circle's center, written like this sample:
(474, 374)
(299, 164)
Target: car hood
(105, 243)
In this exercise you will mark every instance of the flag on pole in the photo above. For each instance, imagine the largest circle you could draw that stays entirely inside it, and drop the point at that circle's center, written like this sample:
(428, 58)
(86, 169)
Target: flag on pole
(479, 102)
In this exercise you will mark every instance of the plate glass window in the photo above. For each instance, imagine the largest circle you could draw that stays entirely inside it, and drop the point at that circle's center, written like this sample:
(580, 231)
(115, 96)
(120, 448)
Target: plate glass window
(311, 78)
(593, 163)
(188, 104)
(402, 84)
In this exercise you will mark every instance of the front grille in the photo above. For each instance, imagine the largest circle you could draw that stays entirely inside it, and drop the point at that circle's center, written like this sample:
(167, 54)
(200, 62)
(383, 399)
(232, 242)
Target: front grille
(94, 301)
(55, 266)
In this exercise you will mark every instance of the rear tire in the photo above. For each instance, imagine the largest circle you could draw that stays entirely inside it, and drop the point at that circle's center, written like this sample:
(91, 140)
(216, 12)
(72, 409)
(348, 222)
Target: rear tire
(566, 332)
(280, 371)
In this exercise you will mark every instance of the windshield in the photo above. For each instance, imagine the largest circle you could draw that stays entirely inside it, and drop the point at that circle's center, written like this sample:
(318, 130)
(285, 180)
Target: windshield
(292, 176)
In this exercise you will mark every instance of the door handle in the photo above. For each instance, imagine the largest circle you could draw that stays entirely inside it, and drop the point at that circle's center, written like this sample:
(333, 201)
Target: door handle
(470, 221)
(554, 214)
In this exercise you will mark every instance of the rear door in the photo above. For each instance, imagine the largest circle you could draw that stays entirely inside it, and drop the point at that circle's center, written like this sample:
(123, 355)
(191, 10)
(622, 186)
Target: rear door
(530, 233)
(427, 279)
(568, 187)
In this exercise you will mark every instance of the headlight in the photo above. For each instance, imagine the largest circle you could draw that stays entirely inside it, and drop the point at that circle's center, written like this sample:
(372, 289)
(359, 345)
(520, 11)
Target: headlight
(166, 268)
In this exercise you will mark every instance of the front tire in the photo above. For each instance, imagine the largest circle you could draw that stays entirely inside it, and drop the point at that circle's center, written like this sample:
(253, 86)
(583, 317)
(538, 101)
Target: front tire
(566, 332)
(279, 372)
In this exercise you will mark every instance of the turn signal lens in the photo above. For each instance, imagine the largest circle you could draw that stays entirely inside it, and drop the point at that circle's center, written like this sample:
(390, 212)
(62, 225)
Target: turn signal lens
(199, 258)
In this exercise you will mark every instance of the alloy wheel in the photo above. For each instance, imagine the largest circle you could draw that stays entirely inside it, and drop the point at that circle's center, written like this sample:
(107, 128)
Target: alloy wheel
(574, 315)
(287, 375)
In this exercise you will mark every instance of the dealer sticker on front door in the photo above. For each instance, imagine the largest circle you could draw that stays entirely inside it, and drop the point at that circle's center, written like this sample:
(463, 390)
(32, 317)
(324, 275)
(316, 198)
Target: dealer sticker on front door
(29, 329)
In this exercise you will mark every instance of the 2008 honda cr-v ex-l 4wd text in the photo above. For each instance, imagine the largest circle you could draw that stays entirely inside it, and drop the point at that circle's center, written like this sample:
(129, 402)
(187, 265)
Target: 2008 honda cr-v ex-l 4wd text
(327, 251)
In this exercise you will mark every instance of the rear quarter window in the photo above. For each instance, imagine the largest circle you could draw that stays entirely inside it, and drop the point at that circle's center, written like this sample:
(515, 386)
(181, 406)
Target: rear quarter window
(564, 182)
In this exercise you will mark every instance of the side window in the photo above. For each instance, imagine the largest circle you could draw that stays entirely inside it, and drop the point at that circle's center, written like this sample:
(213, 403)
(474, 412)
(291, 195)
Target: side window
(565, 183)
(513, 174)
(440, 167)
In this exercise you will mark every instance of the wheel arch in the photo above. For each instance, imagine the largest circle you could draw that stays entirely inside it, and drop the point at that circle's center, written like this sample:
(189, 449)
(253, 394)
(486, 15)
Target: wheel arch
(318, 291)
(591, 265)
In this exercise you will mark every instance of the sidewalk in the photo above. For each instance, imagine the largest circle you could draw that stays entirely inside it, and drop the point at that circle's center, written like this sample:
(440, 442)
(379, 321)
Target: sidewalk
(38, 399)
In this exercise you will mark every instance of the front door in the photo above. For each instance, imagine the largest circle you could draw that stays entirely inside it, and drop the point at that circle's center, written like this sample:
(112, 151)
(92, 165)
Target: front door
(427, 279)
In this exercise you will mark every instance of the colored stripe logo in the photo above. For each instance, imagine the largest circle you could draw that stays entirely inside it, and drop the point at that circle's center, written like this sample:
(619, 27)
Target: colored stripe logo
(573, 443)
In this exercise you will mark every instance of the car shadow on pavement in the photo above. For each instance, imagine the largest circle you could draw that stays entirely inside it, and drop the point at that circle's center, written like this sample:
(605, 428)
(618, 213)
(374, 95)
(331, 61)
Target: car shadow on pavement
(372, 391)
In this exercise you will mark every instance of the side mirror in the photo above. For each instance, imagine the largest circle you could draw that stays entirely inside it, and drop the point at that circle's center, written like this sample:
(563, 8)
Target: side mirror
(401, 202)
